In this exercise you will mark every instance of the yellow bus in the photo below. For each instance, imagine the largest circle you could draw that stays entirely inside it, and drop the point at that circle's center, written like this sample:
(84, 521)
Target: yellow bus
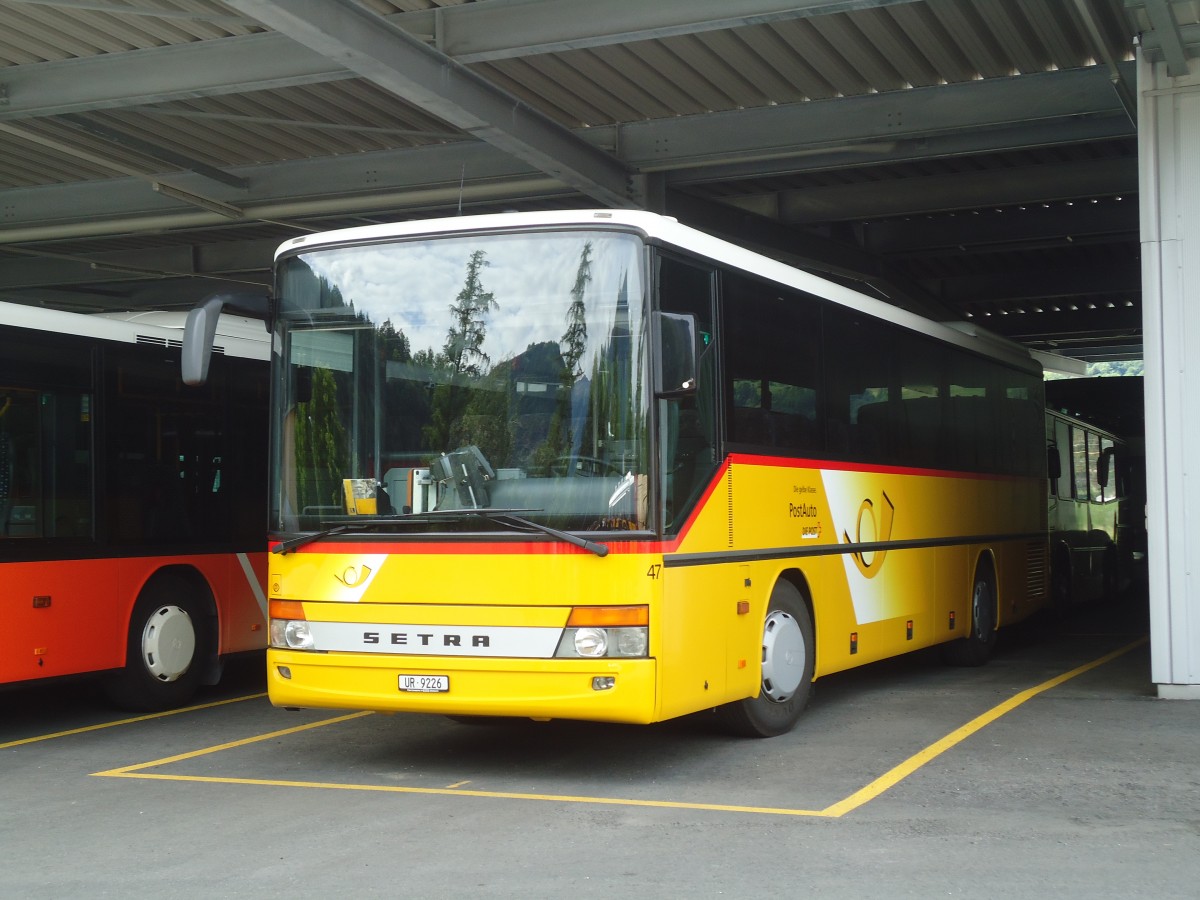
(598, 465)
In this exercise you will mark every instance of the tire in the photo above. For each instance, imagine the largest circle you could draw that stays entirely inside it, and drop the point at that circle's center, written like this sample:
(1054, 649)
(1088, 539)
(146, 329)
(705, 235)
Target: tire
(788, 655)
(976, 648)
(167, 644)
(1111, 575)
(1061, 581)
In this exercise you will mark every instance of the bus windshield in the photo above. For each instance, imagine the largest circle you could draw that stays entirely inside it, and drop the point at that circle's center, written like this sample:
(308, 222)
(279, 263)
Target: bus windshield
(424, 379)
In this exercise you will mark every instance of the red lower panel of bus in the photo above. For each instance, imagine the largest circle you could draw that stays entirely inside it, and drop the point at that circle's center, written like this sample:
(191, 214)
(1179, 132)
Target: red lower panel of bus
(70, 617)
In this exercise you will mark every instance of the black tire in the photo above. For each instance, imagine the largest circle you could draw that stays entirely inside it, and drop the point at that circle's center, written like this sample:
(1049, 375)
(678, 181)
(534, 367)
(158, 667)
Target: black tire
(1111, 574)
(976, 648)
(788, 656)
(1062, 595)
(167, 645)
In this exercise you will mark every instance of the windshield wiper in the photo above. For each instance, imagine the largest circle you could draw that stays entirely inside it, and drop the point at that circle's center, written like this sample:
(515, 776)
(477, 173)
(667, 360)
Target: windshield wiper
(297, 542)
(590, 546)
(493, 513)
(496, 513)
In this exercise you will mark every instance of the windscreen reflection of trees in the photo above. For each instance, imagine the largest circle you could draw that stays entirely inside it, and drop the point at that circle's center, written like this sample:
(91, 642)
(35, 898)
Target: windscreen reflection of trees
(535, 411)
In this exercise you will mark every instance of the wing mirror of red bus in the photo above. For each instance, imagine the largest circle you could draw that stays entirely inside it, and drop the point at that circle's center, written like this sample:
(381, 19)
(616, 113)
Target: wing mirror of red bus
(675, 366)
(201, 328)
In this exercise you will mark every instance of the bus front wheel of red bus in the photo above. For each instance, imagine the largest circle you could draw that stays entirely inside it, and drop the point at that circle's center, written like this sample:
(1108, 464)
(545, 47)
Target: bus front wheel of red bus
(787, 669)
(166, 643)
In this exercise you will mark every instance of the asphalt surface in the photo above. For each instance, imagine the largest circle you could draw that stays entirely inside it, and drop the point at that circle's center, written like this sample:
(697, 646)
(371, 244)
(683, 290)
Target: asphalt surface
(1054, 771)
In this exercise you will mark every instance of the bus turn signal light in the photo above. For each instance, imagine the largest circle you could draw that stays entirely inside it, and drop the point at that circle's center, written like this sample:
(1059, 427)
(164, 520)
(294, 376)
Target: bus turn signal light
(608, 616)
(287, 609)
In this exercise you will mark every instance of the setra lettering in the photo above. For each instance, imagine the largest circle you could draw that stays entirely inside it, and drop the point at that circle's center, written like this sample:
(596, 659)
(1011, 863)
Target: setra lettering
(405, 639)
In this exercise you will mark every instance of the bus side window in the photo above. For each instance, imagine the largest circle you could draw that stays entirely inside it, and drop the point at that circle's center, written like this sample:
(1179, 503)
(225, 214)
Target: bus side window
(45, 464)
(772, 356)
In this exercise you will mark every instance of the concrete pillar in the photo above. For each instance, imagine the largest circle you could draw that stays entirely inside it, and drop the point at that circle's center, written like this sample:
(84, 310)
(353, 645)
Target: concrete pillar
(1169, 164)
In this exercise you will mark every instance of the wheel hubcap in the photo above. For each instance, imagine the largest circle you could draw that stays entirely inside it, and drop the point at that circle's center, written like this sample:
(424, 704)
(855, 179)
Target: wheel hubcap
(783, 657)
(168, 643)
(981, 611)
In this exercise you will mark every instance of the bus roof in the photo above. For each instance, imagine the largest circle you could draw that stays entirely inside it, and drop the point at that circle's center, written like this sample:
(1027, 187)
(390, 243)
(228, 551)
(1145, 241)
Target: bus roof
(667, 230)
(236, 336)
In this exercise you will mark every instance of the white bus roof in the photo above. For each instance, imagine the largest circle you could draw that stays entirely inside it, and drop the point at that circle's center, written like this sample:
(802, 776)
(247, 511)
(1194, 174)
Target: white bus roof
(670, 231)
(236, 336)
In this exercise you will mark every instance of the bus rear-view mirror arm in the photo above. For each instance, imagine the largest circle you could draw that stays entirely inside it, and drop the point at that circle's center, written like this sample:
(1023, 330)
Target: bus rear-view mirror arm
(201, 328)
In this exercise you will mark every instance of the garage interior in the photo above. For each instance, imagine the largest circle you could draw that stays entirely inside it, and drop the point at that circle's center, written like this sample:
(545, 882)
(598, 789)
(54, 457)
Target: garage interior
(971, 160)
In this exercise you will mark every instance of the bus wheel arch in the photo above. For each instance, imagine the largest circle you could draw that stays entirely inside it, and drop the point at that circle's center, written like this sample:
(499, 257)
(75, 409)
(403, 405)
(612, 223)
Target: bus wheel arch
(171, 642)
(788, 661)
(976, 648)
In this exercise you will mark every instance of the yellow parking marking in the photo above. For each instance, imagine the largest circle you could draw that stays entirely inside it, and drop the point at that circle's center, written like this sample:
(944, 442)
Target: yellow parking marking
(864, 795)
(130, 721)
(126, 771)
(898, 773)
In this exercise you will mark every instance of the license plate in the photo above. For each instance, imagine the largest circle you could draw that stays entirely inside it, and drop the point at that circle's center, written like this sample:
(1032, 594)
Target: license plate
(425, 684)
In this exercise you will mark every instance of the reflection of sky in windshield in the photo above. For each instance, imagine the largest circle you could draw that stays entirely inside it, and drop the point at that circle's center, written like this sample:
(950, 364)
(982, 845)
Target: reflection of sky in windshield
(414, 284)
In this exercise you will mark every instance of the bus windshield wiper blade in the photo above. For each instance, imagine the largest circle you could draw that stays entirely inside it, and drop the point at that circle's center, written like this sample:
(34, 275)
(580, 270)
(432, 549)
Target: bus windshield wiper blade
(590, 546)
(297, 542)
(512, 515)
(495, 514)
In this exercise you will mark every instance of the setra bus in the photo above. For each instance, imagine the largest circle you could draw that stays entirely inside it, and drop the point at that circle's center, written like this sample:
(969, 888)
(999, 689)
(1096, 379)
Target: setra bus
(131, 507)
(599, 465)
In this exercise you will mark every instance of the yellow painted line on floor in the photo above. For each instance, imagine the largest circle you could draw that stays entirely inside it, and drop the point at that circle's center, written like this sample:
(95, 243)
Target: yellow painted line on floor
(130, 721)
(888, 780)
(898, 773)
(127, 771)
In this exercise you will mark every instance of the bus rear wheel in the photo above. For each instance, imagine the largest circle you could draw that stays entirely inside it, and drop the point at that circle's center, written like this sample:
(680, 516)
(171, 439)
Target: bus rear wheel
(165, 648)
(787, 670)
(976, 648)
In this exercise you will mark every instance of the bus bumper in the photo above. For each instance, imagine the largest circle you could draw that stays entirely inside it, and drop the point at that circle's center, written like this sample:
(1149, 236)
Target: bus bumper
(528, 688)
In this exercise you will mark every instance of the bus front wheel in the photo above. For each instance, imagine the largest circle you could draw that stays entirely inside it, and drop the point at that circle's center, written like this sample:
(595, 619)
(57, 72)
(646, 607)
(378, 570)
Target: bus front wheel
(166, 645)
(787, 669)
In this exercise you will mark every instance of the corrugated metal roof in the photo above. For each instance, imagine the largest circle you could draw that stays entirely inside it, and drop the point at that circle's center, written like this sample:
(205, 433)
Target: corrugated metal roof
(371, 152)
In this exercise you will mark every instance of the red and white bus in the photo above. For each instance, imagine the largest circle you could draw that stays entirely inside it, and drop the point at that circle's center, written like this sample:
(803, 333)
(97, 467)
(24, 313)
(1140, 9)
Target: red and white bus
(131, 532)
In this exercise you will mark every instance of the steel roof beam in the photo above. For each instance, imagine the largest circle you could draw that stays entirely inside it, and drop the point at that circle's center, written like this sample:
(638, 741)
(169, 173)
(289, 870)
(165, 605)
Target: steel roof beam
(942, 193)
(503, 29)
(389, 57)
(1040, 284)
(930, 123)
(473, 32)
(1167, 36)
(998, 230)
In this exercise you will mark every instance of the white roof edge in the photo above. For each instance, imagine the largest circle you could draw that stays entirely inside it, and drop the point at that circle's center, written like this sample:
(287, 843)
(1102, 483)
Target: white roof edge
(237, 336)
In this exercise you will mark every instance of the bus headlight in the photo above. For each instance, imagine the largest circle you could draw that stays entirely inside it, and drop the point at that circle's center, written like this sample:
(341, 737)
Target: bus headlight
(591, 641)
(291, 634)
(596, 632)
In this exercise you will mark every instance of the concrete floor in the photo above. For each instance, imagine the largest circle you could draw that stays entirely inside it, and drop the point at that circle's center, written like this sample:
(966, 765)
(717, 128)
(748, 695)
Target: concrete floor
(904, 779)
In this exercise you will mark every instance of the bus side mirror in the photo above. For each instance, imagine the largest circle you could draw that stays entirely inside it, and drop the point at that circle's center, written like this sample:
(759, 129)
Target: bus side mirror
(675, 370)
(201, 328)
(1053, 463)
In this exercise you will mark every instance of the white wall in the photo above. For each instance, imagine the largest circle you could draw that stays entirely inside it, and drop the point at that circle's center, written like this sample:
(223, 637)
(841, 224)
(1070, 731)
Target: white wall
(1169, 163)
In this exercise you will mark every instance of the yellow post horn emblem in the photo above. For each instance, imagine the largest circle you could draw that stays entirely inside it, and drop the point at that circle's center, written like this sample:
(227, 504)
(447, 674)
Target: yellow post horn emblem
(869, 562)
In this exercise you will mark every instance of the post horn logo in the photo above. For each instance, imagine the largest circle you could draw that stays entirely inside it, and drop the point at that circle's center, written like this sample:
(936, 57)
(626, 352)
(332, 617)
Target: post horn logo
(869, 562)
(353, 577)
